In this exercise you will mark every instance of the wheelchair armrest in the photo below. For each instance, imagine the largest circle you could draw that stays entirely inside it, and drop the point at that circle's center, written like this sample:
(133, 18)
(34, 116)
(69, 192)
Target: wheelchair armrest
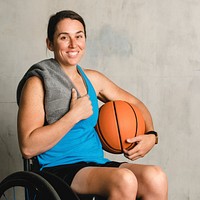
(31, 164)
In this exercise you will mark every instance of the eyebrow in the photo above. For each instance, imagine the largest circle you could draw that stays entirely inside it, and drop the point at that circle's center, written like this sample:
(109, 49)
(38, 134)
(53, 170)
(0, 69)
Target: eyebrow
(65, 33)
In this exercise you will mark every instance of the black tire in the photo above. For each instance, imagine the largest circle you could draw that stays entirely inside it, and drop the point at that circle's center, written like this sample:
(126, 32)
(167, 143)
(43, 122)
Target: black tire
(36, 187)
(62, 188)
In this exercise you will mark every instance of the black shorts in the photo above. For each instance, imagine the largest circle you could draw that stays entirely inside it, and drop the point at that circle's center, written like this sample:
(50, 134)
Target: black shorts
(67, 172)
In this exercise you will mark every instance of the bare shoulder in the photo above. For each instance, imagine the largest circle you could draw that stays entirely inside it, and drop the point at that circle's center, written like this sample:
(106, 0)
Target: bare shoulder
(93, 73)
(104, 87)
(96, 77)
(33, 87)
(33, 82)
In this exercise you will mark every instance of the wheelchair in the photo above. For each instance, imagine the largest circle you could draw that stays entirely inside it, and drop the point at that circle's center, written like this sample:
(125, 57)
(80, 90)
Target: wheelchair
(33, 184)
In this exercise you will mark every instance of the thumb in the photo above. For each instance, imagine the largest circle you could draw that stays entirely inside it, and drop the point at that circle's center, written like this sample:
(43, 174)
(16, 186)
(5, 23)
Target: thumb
(132, 140)
(74, 94)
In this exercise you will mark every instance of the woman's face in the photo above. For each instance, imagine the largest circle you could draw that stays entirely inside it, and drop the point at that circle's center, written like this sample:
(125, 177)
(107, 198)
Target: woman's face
(69, 42)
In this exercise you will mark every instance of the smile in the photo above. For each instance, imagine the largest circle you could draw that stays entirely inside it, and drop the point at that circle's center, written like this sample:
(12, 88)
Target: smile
(72, 54)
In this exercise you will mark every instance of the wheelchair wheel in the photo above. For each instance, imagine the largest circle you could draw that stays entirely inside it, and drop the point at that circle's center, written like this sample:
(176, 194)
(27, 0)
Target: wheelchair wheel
(28, 186)
(62, 188)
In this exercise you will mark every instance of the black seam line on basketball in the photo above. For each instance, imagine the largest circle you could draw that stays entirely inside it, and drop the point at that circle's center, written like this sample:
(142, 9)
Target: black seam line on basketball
(136, 130)
(116, 118)
(99, 127)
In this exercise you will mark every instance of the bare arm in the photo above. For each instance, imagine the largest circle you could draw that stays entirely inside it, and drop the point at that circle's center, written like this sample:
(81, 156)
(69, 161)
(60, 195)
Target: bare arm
(108, 91)
(34, 137)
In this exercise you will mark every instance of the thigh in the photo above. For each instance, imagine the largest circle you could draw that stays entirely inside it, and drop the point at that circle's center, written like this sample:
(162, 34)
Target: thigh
(95, 180)
(137, 169)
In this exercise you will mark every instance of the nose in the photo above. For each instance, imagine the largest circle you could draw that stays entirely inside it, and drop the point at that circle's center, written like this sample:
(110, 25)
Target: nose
(72, 43)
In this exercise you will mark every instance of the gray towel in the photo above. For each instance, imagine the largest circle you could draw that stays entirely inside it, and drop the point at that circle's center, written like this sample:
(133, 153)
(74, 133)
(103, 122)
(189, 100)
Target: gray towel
(57, 86)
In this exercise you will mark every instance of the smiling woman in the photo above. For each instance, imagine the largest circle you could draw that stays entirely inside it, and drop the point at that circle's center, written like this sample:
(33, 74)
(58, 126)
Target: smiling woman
(58, 111)
(68, 42)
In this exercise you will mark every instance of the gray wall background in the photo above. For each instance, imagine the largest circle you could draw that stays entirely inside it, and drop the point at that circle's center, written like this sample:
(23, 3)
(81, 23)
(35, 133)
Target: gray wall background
(150, 48)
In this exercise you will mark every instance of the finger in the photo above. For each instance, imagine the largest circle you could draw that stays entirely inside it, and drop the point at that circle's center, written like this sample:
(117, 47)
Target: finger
(132, 151)
(74, 94)
(134, 140)
(133, 156)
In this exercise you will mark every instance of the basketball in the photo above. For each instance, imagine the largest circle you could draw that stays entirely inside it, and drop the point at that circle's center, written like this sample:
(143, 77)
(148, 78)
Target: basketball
(118, 121)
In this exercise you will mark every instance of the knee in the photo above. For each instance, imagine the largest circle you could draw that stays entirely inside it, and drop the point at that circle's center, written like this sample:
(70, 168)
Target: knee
(160, 178)
(126, 178)
(124, 184)
(156, 178)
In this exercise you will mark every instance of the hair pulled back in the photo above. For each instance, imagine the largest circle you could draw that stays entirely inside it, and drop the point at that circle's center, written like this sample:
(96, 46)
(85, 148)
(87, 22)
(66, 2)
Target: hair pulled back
(55, 19)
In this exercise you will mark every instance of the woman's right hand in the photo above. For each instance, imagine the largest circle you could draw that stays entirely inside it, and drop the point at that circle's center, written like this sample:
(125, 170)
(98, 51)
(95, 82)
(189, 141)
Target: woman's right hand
(82, 106)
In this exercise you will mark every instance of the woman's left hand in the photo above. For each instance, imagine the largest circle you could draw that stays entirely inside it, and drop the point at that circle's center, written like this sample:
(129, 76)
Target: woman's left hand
(144, 143)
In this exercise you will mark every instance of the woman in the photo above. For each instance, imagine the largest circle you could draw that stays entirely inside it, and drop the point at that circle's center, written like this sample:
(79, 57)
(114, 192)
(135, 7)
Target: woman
(58, 110)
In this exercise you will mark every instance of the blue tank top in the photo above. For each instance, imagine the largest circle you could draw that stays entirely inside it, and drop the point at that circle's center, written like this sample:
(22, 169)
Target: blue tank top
(81, 143)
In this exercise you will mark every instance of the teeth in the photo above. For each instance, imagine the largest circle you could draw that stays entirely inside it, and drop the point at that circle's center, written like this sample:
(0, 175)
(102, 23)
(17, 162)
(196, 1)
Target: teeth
(72, 53)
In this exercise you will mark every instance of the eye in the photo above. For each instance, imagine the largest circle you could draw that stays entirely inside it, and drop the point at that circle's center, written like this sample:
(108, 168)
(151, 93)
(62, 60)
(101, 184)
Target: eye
(63, 37)
(79, 36)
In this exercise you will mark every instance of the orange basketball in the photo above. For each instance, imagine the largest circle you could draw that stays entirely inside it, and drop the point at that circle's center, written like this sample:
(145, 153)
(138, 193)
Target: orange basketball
(118, 121)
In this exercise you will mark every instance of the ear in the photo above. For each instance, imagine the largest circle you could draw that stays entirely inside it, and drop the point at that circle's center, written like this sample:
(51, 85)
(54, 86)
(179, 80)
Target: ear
(49, 44)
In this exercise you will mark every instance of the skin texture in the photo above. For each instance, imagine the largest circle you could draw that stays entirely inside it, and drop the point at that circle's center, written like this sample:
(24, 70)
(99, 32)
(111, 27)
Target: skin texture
(127, 181)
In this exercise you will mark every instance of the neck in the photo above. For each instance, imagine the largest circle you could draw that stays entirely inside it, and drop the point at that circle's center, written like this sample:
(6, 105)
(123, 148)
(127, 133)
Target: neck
(71, 71)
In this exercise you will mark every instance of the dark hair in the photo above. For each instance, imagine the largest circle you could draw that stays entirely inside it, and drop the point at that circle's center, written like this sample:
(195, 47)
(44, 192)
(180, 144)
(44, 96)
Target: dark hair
(55, 19)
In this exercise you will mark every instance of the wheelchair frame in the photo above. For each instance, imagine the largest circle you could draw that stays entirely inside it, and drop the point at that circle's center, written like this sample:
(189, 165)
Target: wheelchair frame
(39, 185)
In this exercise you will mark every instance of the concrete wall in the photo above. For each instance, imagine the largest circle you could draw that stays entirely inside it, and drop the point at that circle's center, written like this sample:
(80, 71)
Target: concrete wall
(151, 48)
